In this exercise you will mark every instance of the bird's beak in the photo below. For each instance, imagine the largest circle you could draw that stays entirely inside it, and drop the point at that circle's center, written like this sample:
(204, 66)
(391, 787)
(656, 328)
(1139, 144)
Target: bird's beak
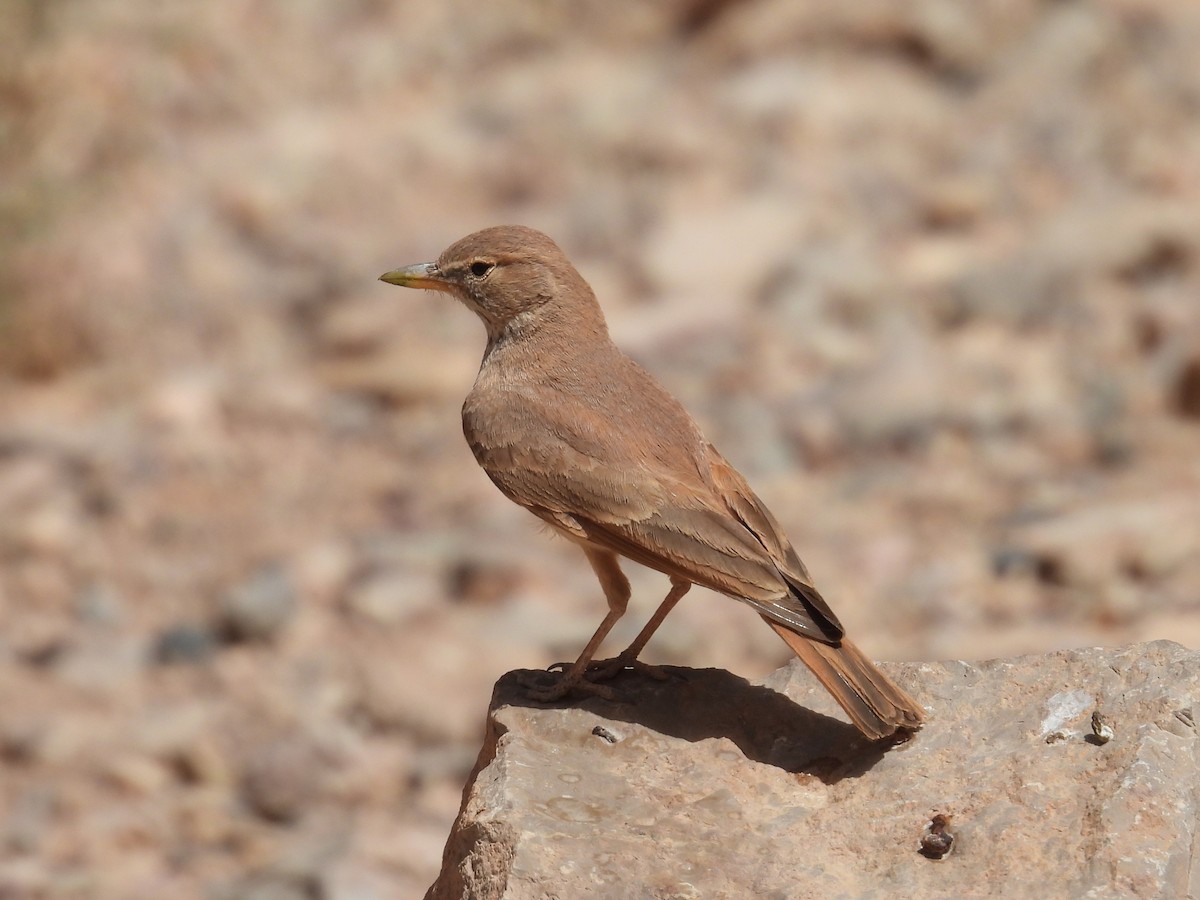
(422, 275)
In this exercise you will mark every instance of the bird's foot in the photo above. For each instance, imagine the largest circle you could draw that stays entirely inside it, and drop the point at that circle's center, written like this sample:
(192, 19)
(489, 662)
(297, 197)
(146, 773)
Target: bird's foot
(537, 689)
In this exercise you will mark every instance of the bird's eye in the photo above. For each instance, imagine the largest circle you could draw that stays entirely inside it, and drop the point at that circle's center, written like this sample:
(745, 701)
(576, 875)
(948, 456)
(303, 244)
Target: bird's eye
(481, 268)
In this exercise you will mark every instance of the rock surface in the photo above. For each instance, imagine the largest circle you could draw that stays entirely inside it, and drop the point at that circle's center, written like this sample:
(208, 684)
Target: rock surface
(709, 786)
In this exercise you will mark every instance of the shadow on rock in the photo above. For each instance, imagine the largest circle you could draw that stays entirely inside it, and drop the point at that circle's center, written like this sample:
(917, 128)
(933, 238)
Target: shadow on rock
(699, 704)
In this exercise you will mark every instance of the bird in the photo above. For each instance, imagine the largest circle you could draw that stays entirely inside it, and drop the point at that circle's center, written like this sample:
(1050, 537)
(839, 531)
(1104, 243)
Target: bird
(568, 426)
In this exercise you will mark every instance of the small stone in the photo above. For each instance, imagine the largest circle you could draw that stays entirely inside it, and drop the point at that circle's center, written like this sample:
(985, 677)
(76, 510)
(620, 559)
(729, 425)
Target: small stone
(51, 529)
(19, 741)
(98, 604)
(937, 841)
(388, 597)
(27, 822)
(280, 779)
(322, 570)
(101, 664)
(606, 734)
(473, 580)
(1185, 392)
(200, 763)
(1102, 731)
(259, 608)
(184, 643)
(137, 774)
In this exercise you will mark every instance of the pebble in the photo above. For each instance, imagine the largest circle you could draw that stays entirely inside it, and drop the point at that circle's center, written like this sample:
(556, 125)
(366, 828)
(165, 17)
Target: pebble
(259, 608)
(137, 774)
(281, 778)
(390, 596)
(184, 643)
(201, 763)
(1185, 393)
(99, 604)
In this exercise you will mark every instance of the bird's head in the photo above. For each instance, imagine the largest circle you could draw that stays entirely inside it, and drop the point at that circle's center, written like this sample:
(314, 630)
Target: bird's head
(511, 276)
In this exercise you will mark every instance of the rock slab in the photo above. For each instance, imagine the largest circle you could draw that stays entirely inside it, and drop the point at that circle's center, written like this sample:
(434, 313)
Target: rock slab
(706, 785)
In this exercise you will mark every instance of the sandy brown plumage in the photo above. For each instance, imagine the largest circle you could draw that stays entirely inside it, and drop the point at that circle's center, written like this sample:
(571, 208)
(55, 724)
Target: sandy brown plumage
(569, 427)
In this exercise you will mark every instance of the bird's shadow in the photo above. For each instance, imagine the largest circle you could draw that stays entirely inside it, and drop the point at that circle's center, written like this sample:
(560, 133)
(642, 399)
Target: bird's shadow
(697, 704)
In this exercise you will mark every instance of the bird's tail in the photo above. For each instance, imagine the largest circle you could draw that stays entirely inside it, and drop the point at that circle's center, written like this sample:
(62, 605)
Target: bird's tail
(875, 703)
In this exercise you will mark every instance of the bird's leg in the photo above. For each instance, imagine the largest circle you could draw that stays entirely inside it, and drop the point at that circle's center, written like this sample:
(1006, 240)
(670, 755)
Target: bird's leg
(616, 592)
(628, 659)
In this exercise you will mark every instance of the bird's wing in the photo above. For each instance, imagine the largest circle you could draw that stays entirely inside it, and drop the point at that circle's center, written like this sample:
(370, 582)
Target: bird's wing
(710, 530)
(744, 504)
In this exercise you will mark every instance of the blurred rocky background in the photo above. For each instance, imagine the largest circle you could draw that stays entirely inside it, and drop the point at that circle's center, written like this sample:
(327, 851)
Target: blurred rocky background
(928, 273)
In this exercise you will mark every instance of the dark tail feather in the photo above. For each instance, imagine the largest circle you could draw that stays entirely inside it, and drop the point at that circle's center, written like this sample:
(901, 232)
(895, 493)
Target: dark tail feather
(875, 703)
